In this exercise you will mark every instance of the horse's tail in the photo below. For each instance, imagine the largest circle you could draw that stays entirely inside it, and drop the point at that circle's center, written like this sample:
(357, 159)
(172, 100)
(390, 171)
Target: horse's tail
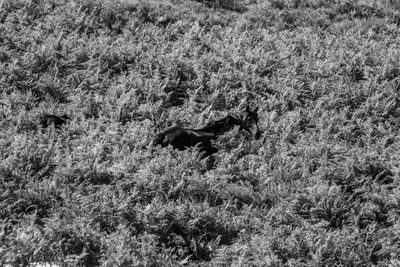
(158, 139)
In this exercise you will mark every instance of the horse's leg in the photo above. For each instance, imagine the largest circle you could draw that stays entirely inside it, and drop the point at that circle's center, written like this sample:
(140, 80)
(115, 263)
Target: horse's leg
(208, 151)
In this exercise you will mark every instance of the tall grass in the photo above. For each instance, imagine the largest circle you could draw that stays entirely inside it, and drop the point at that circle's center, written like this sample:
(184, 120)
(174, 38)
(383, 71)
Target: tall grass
(321, 190)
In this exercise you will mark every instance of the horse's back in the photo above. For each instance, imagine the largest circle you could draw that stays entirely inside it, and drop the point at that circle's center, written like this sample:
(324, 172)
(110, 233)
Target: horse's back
(182, 138)
(175, 136)
(48, 119)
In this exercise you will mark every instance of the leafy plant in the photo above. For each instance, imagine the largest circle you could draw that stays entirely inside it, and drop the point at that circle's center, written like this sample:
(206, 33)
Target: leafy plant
(320, 187)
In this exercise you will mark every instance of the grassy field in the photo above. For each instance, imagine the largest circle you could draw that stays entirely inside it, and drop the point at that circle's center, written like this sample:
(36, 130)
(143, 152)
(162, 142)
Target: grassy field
(322, 190)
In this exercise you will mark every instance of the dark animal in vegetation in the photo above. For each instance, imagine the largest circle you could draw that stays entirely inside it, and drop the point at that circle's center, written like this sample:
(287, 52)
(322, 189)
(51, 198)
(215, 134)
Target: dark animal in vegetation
(182, 138)
(46, 120)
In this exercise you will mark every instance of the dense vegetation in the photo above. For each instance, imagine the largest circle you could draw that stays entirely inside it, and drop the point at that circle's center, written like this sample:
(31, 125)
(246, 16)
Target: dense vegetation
(322, 189)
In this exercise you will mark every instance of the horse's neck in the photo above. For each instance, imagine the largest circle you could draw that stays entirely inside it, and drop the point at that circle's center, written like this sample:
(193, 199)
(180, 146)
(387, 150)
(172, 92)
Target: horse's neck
(221, 126)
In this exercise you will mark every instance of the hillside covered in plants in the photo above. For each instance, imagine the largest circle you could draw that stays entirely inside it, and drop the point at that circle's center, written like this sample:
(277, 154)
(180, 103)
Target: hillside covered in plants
(320, 188)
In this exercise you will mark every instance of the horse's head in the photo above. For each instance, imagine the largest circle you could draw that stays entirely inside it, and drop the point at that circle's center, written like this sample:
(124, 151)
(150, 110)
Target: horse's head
(250, 122)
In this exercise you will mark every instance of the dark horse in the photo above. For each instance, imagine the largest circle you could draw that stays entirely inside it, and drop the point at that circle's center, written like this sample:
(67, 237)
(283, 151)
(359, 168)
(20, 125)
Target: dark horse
(182, 138)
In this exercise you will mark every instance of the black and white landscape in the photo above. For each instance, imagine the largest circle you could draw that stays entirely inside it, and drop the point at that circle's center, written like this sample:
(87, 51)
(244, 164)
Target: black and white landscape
(199, 133)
